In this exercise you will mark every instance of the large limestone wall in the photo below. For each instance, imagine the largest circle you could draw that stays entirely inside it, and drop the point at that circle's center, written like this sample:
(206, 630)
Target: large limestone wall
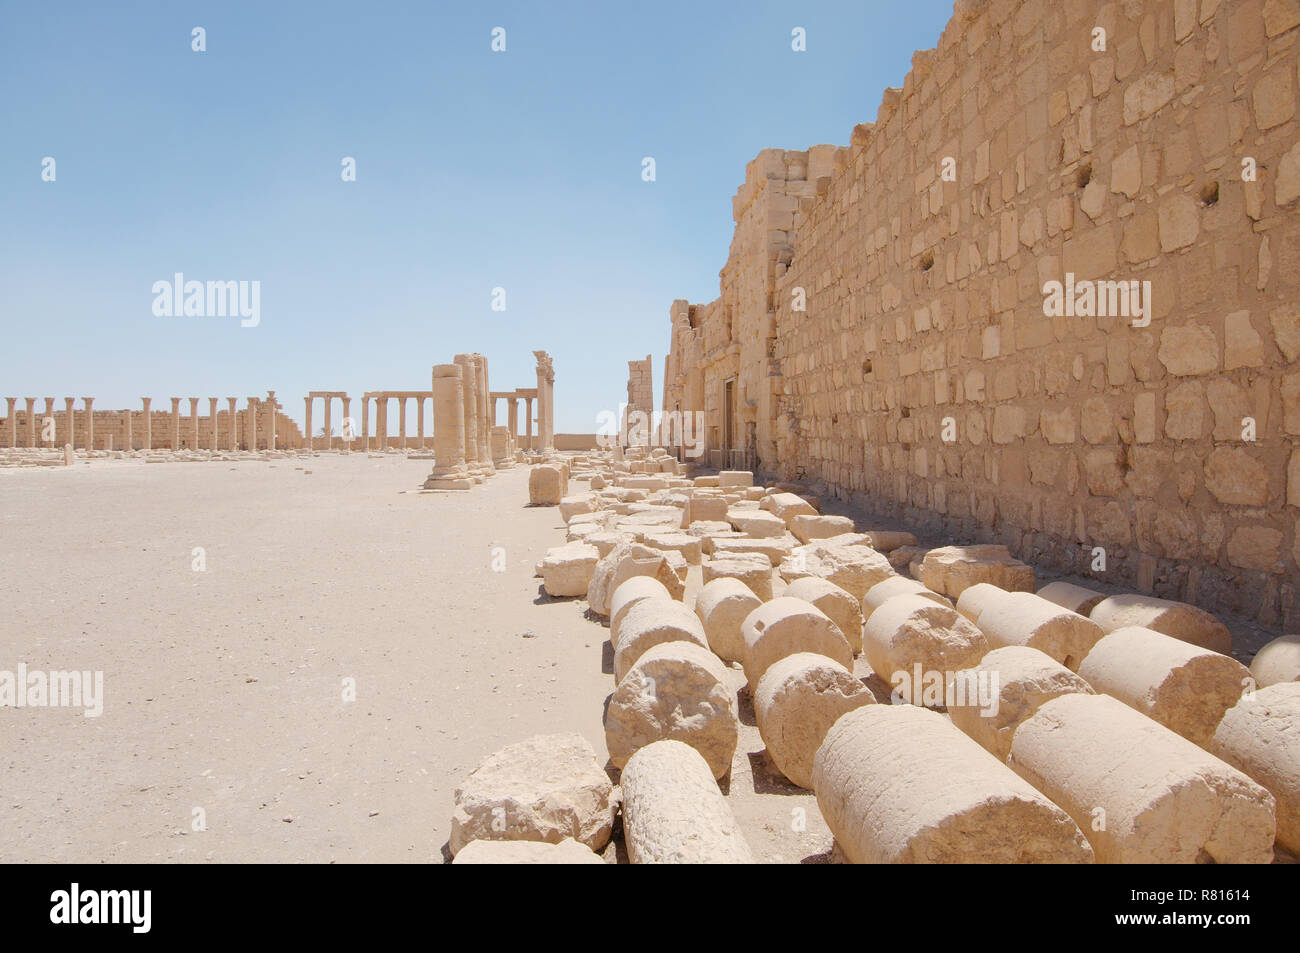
(924, 297)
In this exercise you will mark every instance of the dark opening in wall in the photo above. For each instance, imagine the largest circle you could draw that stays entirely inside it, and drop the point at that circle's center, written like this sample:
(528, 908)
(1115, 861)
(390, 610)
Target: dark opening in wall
(866, 368)
(927, 260)
(1084, 176)
(1210, 194)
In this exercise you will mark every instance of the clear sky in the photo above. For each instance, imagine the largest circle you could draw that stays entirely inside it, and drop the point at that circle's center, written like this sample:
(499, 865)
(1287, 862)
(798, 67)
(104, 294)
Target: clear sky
(474, 170)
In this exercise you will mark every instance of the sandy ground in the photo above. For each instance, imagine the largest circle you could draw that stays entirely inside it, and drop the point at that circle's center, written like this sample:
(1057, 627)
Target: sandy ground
(224, 687)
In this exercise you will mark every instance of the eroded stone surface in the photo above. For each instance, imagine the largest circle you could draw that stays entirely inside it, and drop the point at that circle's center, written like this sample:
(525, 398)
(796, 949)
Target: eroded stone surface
(547, 788)
(844, 610)
(547, 485)
(1260, 736)
(908, 631)
(1021, 679)
(722, 607)
(951, 569)
(1177, 619)
(854, 568)
(785, 626)
(753, 569)
(673, 812)
(798, 698)
(651, 622)
(899, 784)
(1278, 661)
(675, 690)
(1183, 686)
(1165, 800)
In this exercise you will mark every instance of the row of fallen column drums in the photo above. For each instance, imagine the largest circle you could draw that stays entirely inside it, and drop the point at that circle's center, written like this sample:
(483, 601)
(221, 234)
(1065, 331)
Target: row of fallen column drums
(1098, 737)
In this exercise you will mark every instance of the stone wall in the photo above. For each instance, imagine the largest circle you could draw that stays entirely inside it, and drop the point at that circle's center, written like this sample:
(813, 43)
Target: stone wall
(924, 378)
(640, 386)
(113, 423)
(733, 338)
(576, 441)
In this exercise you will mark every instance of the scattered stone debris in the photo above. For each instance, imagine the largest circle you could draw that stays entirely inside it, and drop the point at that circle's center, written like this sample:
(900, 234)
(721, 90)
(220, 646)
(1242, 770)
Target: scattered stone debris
(802, 611)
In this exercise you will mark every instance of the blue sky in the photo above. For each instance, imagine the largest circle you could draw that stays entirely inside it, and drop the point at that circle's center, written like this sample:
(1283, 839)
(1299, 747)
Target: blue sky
(475, 170)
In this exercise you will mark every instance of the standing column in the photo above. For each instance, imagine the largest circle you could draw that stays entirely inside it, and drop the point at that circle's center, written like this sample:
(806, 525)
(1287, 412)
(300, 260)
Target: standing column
(528, 422)
(70, 425)
(13, 422)
(49, 415)
(329, 427)
(272, 410)
(401, 420)
(232, 403)
(469, 396)
(212, 412)
(419, 422)
(90, 422)
(127, 442)
(546, 401)
(449, 471)
(176, 424)
(512, 419)
(252, 423)
(349, 425)
(307, 421)
(194, 423)
(484, 426)
(381, 421)
(31, 422)
(541, 401)
(148, 424)
(365, 422)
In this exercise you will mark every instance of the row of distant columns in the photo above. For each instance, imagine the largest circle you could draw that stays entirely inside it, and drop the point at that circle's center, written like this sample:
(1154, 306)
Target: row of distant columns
(250, 424)
(349, 432)
(381, 418)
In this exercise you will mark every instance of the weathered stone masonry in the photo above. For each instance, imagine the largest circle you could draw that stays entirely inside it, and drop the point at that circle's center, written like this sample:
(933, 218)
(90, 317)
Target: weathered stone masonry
(924, 298)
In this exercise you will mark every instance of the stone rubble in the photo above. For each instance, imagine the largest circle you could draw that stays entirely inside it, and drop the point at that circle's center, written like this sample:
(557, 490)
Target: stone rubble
(797, 700)
(900, 784)
(1026, 678)
(1163, 799)
(1186, 688)
(547, 788)
(675, 690)
(896, 782)
(673, 812)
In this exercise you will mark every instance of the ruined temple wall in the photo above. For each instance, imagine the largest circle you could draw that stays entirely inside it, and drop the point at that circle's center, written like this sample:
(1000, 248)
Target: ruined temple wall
(733, 337)
(640, 385)
(925, 297)
(640, 392)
